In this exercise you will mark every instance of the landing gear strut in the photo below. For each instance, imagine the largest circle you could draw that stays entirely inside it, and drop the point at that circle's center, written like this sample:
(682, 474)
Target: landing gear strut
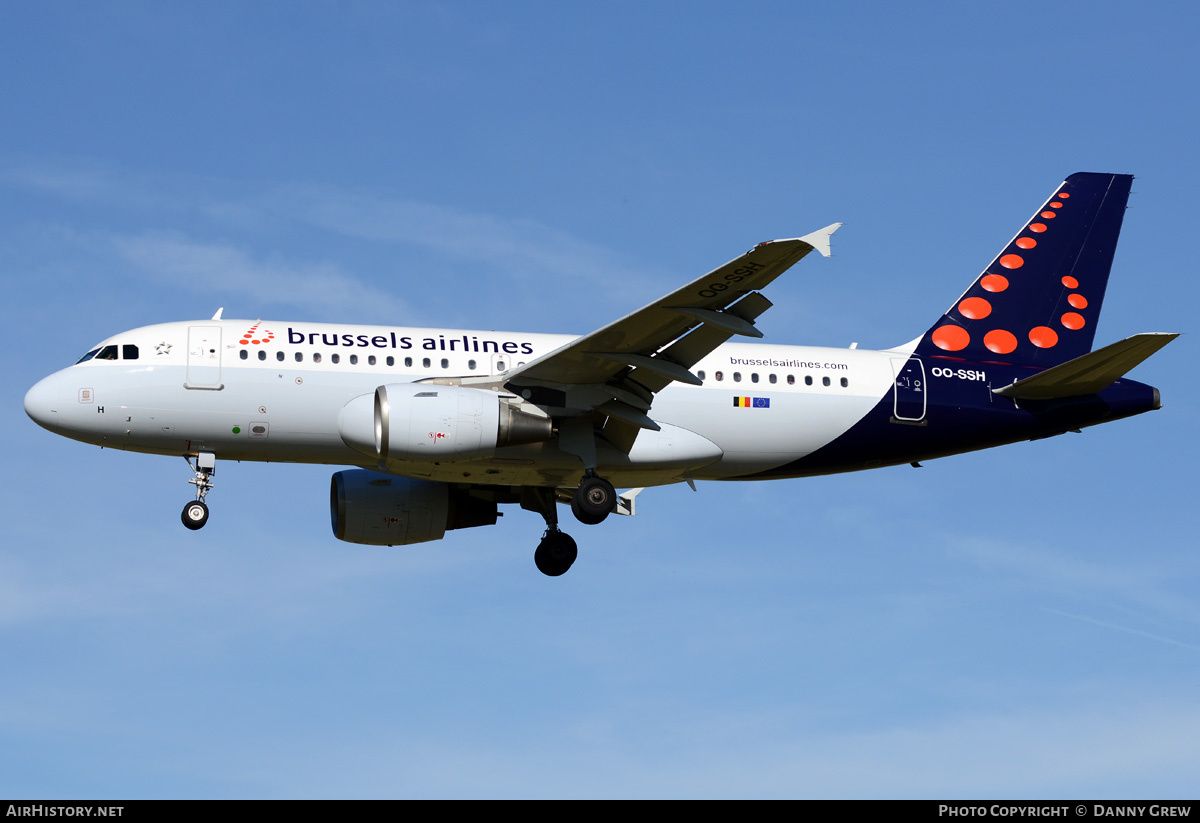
(557, 551)
(594, 500)
(195, 513)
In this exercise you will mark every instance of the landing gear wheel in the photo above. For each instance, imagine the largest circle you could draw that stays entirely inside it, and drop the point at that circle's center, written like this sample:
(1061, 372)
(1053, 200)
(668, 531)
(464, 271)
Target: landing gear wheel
(594, 500)
(195, 515)
(555, 553)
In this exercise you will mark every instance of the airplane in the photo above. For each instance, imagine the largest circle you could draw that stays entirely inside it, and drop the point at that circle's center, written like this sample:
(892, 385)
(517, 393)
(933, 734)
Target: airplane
(444, 426)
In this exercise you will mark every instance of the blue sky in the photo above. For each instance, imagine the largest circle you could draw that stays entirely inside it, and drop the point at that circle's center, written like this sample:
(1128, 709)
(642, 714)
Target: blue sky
(1019, 622)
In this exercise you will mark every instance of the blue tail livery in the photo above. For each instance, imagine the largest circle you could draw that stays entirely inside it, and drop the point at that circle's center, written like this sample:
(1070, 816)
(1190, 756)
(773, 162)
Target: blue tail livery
(1037, 303)
(443, 426)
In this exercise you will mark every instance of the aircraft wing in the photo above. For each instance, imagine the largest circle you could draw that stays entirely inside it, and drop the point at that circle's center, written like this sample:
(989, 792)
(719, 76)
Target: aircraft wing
(617, 370)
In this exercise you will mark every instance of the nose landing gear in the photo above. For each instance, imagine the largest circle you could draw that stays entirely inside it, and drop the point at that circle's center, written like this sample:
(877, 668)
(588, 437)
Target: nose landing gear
(195, 513)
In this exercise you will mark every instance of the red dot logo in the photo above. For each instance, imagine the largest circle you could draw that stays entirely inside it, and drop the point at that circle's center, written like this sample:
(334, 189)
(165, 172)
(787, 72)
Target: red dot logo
(1043, 337)
(1049, 215)
(1064, 195)
(1012, 261)
(1070, 282)
(1077, 301)
(974, 308)
(1056, 205)
(994, 282)
(1000, 341)
(1026, 242)
(1037, 227)
(951, 338)
(1073, 320)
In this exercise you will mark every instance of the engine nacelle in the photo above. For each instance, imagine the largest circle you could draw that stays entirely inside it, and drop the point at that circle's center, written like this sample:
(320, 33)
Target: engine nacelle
(430, 423)
(383, 510)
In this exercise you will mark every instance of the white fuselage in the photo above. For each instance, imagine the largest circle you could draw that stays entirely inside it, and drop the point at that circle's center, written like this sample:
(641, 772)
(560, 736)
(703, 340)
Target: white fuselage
(276, 395)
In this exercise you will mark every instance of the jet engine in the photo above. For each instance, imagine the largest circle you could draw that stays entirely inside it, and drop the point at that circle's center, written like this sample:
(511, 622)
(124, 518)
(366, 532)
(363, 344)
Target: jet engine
(383, 510)
(431, 423)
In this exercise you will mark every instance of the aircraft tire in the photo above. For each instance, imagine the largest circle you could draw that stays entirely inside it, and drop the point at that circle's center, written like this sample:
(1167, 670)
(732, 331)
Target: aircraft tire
(593, 501)
(195, 514)
(555, 554)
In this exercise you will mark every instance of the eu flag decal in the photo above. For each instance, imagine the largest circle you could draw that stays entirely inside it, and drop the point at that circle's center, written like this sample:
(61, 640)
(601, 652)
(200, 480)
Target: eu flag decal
(752, 402)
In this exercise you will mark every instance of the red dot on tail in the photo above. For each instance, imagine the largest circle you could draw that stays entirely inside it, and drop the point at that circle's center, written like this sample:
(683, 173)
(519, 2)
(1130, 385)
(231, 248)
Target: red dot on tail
(1000, 341)
(1043, 337)
(975, 308)
(994, 282)
(1012, 261)
(1026, 242)
(1070, 282)
(1073, 320)
(951, 338)
(1037, 227)
(1077, 301)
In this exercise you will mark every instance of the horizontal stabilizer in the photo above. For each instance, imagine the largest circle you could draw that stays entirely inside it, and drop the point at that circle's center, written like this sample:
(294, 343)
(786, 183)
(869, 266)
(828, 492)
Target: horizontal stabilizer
(1089, 374)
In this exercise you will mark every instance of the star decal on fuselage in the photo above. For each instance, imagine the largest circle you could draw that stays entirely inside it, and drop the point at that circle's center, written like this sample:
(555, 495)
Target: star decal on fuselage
(163, 348)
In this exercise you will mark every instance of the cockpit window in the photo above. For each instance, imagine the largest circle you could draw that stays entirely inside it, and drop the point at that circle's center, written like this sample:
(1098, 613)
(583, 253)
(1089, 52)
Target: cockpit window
(129, 352)
(87, 356)
(107, 353)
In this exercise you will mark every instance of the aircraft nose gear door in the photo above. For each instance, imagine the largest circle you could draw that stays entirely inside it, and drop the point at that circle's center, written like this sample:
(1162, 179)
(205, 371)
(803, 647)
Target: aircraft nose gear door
(204, 358)
(910, 390)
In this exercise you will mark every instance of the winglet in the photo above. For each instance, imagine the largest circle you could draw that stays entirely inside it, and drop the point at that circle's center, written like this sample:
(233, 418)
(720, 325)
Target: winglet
(819, 239)
(217, 316)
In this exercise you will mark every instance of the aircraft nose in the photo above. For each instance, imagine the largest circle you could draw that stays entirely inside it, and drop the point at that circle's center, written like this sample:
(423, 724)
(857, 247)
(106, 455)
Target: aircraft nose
(42, 402)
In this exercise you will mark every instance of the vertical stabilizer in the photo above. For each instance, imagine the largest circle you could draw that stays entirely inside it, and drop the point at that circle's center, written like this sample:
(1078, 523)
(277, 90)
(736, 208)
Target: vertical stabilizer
(1039, 300)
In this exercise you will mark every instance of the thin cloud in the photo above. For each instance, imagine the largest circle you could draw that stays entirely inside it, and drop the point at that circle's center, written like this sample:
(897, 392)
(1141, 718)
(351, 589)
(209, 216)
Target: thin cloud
(215, 268)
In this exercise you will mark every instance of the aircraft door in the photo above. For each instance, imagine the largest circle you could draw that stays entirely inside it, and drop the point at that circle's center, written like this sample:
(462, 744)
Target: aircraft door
(910, 390)
(204, 358)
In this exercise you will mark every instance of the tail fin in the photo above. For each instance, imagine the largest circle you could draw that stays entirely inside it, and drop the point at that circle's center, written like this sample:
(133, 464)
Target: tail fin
(1039, 300)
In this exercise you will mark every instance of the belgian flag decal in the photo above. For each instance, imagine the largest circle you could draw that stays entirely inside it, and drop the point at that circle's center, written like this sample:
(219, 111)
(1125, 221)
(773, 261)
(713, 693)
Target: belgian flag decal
(752, 402)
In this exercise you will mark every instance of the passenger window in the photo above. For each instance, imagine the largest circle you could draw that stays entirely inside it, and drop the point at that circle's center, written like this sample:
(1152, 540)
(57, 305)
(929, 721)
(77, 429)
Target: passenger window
(791, 379)
(336, 358)
(317, 357)
(808, 379)
(470, 365)
(845, 382)
(391, 361)
(771, 378)
(279, 356)
(245, 355)
(129, 352)
(500, 366)
(262, 355)
(107, 353)
(425, 362)
(299, 357)
(754, 377)
(824, 381)
(87, 357)
(719, 375)
(408, 362)
(445, 363)
(370, 360)
(354, 360)
(700, 374)
(737, 377)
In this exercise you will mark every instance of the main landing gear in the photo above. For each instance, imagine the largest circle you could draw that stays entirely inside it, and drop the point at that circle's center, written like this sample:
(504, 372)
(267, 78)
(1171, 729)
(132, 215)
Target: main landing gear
(591, 503)
(594, 500)
(195, 513)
